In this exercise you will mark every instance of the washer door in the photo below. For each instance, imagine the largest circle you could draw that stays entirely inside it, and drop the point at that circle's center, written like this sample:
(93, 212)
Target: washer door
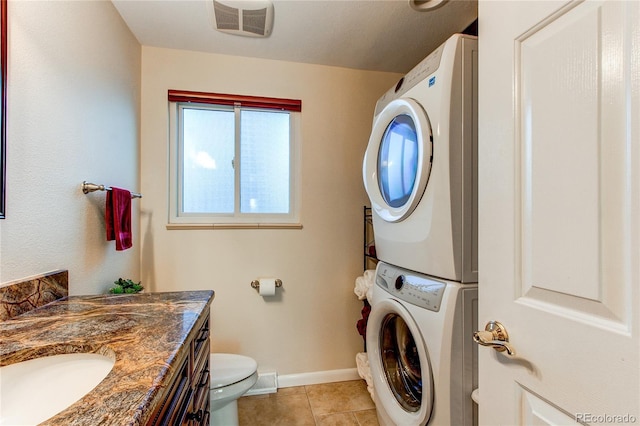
(400, 367)
(397, 162)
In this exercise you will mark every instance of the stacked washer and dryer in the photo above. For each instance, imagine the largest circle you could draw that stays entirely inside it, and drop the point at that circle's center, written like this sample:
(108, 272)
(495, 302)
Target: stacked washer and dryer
(420, 172)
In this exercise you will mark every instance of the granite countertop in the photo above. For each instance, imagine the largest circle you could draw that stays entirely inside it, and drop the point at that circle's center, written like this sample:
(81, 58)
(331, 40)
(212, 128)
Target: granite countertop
(144, 332)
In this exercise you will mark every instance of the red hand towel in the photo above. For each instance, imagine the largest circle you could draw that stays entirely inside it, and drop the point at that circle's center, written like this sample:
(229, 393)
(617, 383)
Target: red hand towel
(118, 218)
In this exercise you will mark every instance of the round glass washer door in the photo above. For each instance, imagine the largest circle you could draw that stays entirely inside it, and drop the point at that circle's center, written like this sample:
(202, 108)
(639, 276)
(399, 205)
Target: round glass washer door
(401, 362)
(400, 366)
(397, 162)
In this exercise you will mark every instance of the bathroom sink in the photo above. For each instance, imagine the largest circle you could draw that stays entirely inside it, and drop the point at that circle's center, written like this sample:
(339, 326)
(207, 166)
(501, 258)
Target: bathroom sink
(37, 389)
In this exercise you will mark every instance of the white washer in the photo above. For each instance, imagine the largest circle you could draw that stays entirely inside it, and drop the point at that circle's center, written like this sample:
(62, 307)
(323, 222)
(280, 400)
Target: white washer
(421, 352)
(420, 167)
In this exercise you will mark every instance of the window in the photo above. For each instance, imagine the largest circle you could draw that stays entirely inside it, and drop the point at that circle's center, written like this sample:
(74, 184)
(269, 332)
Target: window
(234, 159)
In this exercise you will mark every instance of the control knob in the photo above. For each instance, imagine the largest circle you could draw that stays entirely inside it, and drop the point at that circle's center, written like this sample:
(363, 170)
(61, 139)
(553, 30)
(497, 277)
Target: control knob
(400, 282)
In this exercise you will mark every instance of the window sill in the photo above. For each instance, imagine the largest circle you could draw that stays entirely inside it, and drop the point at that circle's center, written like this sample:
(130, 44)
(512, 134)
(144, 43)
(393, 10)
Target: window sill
(218, 226)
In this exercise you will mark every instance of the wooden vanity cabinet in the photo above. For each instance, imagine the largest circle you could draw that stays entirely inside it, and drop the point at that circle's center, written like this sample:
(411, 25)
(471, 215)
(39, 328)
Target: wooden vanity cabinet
(187, 400)
(199, 366)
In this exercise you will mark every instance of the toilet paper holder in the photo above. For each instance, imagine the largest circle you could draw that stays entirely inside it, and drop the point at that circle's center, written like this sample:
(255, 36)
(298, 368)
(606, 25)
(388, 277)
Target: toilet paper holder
(256, 284)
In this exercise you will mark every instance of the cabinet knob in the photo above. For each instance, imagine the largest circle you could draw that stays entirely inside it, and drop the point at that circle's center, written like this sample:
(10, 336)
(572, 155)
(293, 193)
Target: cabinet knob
(197, 416)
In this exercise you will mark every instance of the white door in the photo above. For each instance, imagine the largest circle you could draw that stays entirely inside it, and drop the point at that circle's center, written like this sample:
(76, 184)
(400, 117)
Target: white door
(559, 211)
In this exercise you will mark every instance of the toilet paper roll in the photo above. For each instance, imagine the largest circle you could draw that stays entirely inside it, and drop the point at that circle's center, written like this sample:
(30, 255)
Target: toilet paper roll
(267, 286)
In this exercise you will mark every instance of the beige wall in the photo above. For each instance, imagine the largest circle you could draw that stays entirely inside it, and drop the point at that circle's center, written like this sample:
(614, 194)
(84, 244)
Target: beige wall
(310, 326)
(73, 113)
(74, 90)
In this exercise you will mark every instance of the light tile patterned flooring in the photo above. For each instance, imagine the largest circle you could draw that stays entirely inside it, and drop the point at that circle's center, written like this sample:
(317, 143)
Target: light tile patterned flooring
(327, 404)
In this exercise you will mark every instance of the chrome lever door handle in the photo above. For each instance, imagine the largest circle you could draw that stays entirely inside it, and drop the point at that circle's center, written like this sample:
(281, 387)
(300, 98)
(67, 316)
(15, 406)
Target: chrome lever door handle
(495, 336)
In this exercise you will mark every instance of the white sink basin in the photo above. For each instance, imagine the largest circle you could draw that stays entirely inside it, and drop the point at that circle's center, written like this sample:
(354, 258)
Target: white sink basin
(35, 390)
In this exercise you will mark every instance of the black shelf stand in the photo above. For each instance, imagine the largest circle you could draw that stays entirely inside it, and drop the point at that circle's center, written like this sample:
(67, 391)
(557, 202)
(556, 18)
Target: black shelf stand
(369, 260)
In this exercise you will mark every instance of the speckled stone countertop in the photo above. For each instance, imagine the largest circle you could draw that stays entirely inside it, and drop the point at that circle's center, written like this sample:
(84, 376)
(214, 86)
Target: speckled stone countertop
(144, 332)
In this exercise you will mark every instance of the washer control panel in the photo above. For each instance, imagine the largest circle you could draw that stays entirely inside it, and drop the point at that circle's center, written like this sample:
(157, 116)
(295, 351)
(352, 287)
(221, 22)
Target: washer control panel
(412, 287)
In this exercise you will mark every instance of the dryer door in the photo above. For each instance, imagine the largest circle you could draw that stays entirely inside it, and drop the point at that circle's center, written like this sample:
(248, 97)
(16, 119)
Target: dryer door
(400, 366)
(398, 159)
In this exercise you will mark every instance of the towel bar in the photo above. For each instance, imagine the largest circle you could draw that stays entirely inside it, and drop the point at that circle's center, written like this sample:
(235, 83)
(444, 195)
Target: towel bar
(88, 187)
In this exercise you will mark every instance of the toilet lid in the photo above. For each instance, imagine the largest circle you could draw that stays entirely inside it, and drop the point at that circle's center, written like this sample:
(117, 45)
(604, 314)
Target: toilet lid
(227, 369)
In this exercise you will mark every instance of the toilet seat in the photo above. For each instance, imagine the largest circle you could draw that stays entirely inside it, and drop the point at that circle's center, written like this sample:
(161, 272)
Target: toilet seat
(227, 369)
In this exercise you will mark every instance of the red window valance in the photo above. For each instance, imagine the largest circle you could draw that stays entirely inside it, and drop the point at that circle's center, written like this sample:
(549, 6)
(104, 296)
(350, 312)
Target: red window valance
(294, 105)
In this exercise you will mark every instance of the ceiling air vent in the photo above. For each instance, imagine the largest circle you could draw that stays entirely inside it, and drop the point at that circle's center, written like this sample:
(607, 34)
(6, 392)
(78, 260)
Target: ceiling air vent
(246, 18)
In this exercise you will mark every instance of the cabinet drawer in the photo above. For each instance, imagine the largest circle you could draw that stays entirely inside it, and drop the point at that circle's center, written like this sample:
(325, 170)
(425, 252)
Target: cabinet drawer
(200, 378)
(201, 342)
(174, 407)
(201, 390)
(187, 401)
(200, 351)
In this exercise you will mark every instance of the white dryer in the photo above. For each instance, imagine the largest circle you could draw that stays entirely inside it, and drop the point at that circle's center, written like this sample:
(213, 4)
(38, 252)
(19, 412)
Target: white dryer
(420, 167)
(421, 352)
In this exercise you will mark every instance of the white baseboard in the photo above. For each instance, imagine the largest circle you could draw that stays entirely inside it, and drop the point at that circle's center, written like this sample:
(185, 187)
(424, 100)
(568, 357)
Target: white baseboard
(317, 377)
(267, 383)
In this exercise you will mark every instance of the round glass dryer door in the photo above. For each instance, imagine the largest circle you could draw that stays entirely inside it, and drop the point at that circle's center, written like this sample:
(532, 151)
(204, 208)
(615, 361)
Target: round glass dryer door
(397, 162)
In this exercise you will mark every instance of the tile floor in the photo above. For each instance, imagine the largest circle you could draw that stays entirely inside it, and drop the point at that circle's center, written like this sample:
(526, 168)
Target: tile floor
(328, 404)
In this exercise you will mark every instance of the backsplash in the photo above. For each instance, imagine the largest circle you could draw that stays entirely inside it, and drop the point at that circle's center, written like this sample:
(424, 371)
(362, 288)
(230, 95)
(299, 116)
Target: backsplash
(22, 296)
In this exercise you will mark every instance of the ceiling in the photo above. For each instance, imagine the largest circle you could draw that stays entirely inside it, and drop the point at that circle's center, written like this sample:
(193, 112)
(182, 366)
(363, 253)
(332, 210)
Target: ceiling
(377, 35)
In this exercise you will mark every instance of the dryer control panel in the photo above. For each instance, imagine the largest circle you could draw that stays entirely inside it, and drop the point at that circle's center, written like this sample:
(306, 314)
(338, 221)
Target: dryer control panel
(412, 287)
(419, 73)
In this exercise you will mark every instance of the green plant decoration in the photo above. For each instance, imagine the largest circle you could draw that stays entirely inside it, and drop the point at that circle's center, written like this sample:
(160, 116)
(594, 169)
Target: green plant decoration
(123, 286)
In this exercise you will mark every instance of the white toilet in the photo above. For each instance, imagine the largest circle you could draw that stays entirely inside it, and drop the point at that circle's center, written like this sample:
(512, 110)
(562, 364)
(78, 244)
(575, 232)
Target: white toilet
(231, 376)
